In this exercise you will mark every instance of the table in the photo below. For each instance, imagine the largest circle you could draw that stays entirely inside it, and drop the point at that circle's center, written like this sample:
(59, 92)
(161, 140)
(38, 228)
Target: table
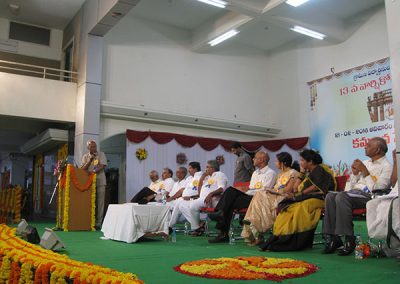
(130, 221)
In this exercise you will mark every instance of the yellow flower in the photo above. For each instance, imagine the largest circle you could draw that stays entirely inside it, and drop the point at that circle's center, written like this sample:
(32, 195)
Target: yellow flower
(195, 182)
(210, 181)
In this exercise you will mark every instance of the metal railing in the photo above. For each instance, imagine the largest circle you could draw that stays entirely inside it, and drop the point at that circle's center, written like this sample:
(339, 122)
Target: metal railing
(37, 71)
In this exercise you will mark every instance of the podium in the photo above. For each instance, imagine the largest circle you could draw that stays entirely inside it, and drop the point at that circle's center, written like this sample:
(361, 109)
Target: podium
(76, 200)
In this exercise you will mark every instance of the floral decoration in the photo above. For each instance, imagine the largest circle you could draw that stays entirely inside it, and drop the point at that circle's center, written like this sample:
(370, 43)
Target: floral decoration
(141, 154)
(181, 159)
(341, 169)
(23, 262)
(90, 184)
(220, 159)
(247, 268)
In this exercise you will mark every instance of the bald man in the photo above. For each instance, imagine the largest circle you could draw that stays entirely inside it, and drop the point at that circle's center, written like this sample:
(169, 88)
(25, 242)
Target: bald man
(367, 176)
(95, 162)
(262, 178)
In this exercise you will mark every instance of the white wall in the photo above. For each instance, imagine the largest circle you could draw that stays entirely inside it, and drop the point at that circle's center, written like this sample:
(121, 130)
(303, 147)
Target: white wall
(151, 65)
(32, 97)
(54, 51)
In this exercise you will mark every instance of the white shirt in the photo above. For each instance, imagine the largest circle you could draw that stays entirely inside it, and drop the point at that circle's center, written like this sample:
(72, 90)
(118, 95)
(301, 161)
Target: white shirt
(177, 186)
(155, 185)
(264, 178)
(167, 184)
(378, 178)
(191, 186)
(212, 183)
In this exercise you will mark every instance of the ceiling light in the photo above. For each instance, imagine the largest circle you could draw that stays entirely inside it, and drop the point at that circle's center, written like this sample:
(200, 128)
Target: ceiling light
(216, 3)
(223, 37)
(308, 32)
(296, 3)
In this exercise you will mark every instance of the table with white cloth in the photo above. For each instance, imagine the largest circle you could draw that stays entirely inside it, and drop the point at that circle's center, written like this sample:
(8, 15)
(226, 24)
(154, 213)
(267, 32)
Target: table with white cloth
(130, 221)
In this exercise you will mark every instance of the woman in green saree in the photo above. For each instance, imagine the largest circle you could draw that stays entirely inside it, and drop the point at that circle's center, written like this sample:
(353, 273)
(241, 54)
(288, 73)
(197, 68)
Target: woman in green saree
(299, 214)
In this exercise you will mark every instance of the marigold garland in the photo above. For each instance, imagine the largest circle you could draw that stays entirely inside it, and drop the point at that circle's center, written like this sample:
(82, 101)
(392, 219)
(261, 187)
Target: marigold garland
(23, 262)
(93, 209)
(247, 268)
(90, 184)
(66, 199)
(72, 175)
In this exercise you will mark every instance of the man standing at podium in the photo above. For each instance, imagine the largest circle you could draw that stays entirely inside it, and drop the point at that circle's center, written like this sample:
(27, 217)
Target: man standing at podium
(95, 162)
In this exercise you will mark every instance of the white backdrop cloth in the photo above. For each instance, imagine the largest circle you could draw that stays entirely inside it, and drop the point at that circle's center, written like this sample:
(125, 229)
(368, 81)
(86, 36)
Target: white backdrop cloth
(130, 221)
(164, 155)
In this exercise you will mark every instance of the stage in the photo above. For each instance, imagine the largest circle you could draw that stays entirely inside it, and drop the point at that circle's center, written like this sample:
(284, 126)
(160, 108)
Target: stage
(152, 260)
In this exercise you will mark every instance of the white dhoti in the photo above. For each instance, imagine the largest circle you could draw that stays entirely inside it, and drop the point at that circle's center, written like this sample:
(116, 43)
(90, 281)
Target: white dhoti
(377, 216)
(191, 211)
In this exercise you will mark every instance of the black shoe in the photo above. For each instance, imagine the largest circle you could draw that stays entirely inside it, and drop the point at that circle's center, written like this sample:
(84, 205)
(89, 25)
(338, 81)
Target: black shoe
(216, 216)
(349, 246)
(246, 222)
(221, 238)
(333, 243)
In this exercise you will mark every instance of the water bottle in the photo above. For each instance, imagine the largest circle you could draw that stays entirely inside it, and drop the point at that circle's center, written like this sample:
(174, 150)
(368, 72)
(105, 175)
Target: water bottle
(173, 235)
(359, 250)
(231, 236)
(163, 197)
(186, 228)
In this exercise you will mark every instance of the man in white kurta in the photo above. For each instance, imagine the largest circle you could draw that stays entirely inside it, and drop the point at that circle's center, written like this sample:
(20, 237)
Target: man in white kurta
(167, 182)
(366, 177)
(178, 188)
(190, 191)
(212, 183)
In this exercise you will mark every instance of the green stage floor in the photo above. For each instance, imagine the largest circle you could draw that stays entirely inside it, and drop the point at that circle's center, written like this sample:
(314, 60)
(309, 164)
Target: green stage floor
(153, 259)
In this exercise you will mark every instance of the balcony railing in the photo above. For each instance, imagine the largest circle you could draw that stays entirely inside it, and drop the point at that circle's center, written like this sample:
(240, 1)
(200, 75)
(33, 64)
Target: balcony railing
(37, 71)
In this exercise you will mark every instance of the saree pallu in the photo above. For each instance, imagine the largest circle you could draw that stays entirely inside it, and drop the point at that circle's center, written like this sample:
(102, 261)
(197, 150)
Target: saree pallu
(294, 227)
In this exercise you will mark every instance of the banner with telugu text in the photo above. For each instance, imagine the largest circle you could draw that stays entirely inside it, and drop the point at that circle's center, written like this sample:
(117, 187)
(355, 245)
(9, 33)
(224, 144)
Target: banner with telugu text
(347, 109)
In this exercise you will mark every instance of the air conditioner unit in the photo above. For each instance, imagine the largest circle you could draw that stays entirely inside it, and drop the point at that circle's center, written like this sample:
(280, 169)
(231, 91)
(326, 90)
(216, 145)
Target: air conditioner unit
(8, 45)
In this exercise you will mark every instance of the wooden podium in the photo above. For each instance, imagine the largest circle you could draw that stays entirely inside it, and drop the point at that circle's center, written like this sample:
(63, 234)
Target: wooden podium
(76, 200)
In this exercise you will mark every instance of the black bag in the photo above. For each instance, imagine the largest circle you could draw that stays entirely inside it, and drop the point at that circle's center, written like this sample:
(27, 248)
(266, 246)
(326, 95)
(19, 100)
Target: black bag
(31, 235)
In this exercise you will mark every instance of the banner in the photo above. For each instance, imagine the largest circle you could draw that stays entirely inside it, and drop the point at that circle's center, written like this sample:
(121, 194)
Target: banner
(347, 109)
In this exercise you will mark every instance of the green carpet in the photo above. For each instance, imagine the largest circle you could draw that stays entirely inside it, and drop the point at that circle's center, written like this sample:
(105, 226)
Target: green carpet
(153, 259)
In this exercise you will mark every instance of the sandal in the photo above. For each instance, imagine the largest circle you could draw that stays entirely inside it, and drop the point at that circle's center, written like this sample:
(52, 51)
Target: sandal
(199, 231)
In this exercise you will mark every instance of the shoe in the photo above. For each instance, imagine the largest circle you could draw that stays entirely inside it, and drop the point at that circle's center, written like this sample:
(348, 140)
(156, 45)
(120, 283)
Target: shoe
(221, 238)
(333, 243)
(199, 231)
(349, 246)
(216, 216)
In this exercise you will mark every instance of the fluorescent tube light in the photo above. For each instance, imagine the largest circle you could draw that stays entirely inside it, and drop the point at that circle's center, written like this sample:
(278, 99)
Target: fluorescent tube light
(223, 37)
(216, 3)
(308, 32)
(296, 3)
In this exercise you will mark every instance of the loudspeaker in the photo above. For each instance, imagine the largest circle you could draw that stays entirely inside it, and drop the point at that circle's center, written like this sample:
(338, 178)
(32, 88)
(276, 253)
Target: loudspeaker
(31, 235)
(22, 227)
(50, 240)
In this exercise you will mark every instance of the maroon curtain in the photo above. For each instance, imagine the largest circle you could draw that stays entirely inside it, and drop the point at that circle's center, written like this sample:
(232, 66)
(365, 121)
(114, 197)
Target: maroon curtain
(209, 144)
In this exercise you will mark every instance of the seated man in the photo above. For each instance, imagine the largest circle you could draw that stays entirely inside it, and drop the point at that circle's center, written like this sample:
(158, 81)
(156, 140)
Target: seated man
(179, 186)
(366, 177)
(168, 181)
(148, 193)
(378, 209)
(189, 192)
(212, 183)
(262, 178)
